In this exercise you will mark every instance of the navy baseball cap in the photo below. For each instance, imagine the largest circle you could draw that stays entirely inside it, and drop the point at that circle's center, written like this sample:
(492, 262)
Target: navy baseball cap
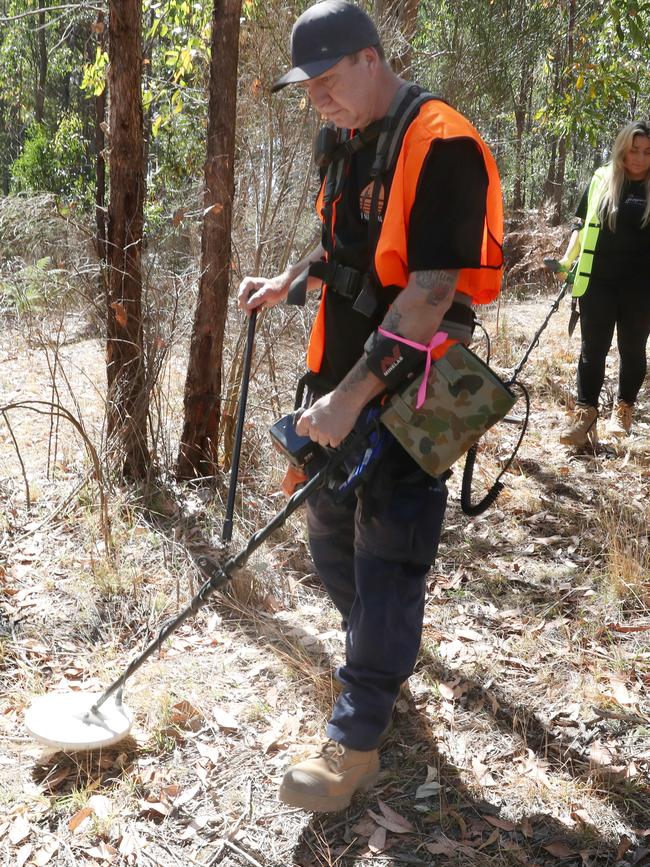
(324, 34)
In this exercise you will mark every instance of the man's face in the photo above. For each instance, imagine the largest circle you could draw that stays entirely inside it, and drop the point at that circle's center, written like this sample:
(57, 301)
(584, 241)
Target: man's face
(345, 94)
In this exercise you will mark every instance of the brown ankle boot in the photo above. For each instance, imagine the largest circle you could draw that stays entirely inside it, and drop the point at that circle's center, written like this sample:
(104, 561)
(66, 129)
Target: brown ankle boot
(581, 427)
(326, 782)
(621, 421)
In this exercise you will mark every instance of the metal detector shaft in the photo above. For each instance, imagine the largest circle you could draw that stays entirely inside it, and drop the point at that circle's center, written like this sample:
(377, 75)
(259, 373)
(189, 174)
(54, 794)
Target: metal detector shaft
(221, 574)
(226, 533)
(538, 333)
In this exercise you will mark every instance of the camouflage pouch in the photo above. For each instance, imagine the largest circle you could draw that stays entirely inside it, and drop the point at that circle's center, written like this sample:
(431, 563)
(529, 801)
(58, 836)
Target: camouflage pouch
(464, 398)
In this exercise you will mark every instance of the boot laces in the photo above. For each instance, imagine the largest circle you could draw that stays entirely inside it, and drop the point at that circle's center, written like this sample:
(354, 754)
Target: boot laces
(583, 418)
(583, 413)
(333, 753)
(624, 414)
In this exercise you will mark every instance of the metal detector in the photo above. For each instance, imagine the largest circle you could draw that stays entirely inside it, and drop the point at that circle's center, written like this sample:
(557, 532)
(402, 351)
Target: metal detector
(467, 506)
(84, 721)
(226, 533)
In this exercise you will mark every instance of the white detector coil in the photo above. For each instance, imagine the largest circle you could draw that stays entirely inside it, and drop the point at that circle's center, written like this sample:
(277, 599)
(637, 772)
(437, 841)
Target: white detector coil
(66, 721)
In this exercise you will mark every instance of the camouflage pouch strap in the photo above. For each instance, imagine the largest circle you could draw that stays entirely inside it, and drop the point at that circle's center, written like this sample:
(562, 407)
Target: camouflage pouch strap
(438, 338)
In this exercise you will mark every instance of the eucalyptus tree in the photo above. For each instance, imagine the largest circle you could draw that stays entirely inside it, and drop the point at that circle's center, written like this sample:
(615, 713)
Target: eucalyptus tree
(200, 437)
(127, 404)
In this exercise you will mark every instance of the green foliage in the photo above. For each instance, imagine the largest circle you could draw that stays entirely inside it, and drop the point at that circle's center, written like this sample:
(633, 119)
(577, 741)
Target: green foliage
(180, 154)
(57, 164)
(34, 287)
(177, 48)
(511, 66)
(94, 77)
(604, 77)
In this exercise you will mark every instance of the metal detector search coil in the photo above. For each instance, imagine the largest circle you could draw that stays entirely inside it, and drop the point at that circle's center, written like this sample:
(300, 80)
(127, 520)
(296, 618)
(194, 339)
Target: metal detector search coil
(69, 721)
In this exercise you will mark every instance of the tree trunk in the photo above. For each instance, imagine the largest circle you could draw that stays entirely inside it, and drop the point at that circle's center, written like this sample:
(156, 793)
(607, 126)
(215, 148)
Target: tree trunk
(100, 162)
(4, 149)
(41, 53)
(521, 116)
(558, 190)
(549, 183)
(128, 397)
(518, 197)
(197, 455)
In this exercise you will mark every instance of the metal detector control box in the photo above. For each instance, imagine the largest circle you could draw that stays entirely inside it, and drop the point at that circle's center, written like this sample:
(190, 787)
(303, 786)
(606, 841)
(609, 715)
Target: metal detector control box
(297, 450)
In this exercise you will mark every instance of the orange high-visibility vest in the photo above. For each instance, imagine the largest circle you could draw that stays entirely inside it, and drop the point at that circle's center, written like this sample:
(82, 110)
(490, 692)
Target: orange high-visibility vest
(435, 120)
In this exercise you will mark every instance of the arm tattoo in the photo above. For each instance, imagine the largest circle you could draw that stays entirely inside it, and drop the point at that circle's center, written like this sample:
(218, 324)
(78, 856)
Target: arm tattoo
(439, 283)
(356, 375)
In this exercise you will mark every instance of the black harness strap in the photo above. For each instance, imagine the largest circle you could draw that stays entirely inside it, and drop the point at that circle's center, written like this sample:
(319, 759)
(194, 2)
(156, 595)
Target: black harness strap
(360, 287)
(389, 134)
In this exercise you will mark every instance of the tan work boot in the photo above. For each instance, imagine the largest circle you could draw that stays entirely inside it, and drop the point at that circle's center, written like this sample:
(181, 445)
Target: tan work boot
(326, 782)
(621, 420)
(581, 427)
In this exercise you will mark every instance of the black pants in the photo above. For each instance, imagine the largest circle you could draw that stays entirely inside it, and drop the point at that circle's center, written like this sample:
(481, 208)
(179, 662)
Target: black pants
(601, 308)
(372, 553)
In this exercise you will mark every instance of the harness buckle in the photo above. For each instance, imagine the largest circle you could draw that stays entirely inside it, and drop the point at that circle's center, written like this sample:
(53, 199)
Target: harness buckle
(346, 281)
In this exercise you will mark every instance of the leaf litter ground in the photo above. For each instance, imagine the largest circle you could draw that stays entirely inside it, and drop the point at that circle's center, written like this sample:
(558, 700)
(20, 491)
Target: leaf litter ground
(524, 737)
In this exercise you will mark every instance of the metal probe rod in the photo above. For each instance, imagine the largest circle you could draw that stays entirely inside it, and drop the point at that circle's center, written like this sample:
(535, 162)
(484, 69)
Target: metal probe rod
(226, 534)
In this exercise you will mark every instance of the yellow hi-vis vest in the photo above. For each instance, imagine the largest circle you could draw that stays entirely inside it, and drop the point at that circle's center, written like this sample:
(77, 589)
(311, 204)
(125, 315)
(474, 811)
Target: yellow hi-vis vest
(590, 231)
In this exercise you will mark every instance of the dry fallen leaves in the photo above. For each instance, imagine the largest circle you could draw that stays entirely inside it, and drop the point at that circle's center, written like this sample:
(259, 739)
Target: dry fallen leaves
(391, 819)
(482, 773)
(81, 819)
(504, 824)
(533, 767)
(23, 854)
(20, 829)
(377, 840)
(224, 719)
(430, 787)
(560, 849)
(600, 755)
(102, 851)
(442, 846)
(619, 689)
(184, 715)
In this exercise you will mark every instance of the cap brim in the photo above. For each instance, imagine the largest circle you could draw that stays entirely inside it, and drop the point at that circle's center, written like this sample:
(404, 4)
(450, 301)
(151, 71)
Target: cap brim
(304, 72)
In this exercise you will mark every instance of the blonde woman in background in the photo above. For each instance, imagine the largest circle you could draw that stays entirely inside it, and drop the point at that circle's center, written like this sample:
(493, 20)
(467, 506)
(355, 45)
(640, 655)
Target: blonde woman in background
(612, 282)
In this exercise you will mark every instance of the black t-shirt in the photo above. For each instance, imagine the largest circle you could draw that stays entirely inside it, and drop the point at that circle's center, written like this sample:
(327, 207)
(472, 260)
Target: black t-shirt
(445, 232)
(622, 255)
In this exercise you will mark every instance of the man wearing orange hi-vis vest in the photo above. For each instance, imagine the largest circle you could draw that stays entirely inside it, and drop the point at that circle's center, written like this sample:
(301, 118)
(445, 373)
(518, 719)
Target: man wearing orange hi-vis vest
(412, 227)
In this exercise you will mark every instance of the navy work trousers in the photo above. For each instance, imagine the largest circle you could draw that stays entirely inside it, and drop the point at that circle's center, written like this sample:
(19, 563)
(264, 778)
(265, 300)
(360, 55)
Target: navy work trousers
(372, 552)
(601, 308)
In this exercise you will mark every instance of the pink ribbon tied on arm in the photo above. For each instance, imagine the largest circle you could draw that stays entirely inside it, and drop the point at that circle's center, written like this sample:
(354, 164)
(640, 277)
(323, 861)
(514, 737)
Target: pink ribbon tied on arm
(438, 338)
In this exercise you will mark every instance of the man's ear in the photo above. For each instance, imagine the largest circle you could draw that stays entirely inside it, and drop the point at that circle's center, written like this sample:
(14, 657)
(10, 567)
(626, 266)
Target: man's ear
(370, 57)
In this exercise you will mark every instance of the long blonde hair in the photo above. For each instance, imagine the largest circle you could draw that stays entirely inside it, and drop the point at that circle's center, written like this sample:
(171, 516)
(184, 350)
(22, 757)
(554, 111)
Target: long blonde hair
(611, 195)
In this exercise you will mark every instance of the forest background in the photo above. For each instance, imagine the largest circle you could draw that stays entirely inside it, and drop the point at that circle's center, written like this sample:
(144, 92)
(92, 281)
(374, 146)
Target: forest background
(144, 169)
(548, 84)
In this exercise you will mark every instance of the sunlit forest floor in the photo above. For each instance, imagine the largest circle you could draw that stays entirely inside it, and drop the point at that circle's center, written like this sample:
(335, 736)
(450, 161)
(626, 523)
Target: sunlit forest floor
(524, 738)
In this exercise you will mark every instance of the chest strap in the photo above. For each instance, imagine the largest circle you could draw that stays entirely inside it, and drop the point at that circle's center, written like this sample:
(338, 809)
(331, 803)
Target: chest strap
(357, 287)
(349, 283)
